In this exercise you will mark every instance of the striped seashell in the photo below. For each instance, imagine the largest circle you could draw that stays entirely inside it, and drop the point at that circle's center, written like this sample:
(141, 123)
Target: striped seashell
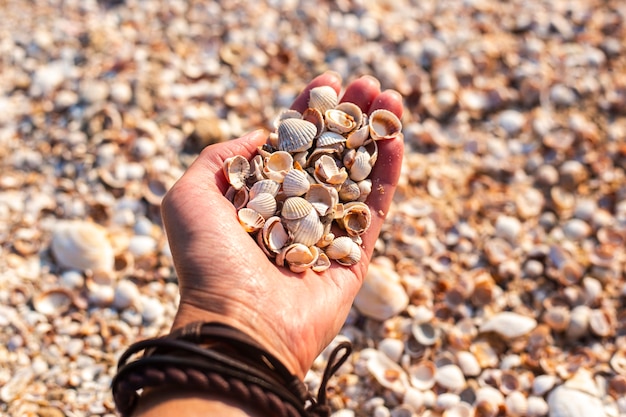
(353, 257)
(250, 220)
(264, 186)
(359, 137)
(284, 115)
(323, 198)
(296, 208)
(323, 98)
(365, 187)
(361, 165)
(296, 183)
(264, 204)
(340, 247)
(296, 135)
(329, 138)
(277, 165)
(317, 118)
(339, 121)
(384, 124)
(236, 170)
(306, 230)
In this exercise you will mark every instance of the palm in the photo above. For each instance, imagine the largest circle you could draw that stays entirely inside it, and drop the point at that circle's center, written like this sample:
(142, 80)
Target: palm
(223, 271)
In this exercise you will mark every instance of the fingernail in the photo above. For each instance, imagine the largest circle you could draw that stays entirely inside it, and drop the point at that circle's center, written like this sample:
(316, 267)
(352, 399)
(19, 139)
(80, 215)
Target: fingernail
(372, 79)
(334, 74)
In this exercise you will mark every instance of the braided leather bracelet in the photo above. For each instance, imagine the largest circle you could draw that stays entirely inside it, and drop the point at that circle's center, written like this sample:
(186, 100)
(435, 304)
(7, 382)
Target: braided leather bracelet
(220, 359)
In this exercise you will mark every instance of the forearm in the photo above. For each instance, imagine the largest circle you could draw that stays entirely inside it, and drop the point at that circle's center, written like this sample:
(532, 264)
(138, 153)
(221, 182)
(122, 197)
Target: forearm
(190, 403)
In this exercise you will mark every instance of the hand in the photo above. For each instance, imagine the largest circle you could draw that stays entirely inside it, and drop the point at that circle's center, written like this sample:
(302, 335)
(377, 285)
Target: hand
(224, 276)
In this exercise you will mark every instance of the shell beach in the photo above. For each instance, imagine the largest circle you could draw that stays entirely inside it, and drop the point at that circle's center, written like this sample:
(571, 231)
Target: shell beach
(499, 282)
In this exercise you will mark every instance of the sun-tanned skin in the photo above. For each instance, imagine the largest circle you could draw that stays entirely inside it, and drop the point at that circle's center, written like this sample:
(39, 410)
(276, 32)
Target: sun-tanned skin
(224, 276)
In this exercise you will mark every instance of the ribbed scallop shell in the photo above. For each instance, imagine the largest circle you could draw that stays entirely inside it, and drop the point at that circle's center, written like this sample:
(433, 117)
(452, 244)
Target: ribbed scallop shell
(329, 138)
(306, 230)
(250, 220)
(264, 186)
(361, 166)
(295, 208)
(296, 183)
(358, 137)
(356, 218)
(295, 135)
(277, 165)
(353, 257)
(323, 98)
(236, 170)
(384, 124)
(264, 204)
(340, 247)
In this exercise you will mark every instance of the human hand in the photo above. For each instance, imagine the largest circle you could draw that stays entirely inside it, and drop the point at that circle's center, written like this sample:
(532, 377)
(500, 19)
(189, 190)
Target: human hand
(224, 275)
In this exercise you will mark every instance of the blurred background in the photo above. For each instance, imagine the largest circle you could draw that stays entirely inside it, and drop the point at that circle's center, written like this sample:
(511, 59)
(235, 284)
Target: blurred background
(501, 264)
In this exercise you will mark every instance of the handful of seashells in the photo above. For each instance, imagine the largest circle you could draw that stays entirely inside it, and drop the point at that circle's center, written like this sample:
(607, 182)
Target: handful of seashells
(312, 173)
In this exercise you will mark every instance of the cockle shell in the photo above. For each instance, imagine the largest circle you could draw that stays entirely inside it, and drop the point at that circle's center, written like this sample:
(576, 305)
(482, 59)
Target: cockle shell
(295, 135)
(236, 170)
(277, 165)
(422, 375)
(388, 373)
(349, 191)
(306, 230)
(323, 198)
(251, 220)
(264, 186)
(296, 208)
(322, 263)
(568, 402)
(361, 165)
(353, 111)
(382, 295)
(323, 98)
(296, 183)
(384, 124)
(298, 257)
(329, 138)
(356, 218)
(359, 137)
(339, 121)
(509, 325)
(264, 204)
(82, 245)
(315, 117)
(274, 235)
(327, 171)
(425, 333)
(353, 257)
(340, 247)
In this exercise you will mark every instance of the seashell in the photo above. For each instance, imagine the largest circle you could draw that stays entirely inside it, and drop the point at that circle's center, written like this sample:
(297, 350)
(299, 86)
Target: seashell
(236, 170)
(536, 407)
(349, 191)
(557, 318)
(353, 257)
(284, 115)
(509, 325)
(450, 377)
(568, 402)
(251, 220)
(100, 288)
(295, 135)
(264, 204)
(14, 385)
(277, 165)
(365, 188)
(600, 323)
(353, 111)
(358, 138)
(468, 363)
(384, 124)
(299, 257)
(82, 245)
(256, 167)
(54, 302)
(323, 198)
(422, 375)
(356, 218)
(339, 121)
(329, 138)
(323, 98)
(461, 409)
(264, 186)
(306, 230)
(315, 117)
(485, 354)
(578, 322)
(340, 247)
(296, 208)
(446, 400)
(322, 263)
(361, 166)
(393, 348)
(296, 183)
(239, 197)
(516, 404)
(382, 295)
(327, 171)
(543, 383)
(126, 294)
(425, 333)
(274, 235)
(388, 373)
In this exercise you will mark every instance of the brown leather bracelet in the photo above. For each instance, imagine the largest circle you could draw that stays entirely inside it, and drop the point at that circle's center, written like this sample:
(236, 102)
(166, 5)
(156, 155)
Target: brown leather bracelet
(217, 358)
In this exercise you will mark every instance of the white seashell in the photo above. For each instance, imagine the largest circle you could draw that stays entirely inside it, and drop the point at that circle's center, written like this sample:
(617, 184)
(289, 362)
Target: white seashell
(353, 257)
(543, 383)
(578, 322)
(425, 333)
(327, 171)
(274, 234)
(537, 407)
(468, 363)
(358, 138)
(365, 187)
(286, 114)
(422, 375)
(264, 204)
(323, 98)
(339, 121)
(447, 400)
(264, 186)
(384, 124)
(236, 170)
(356, 218)
(329, 138)
(100, 288)
(568, 402)
(296, 208)
(516, 404)
(16, 385)
(322, 263)
(277, 165)
(54, 302)
(461, 409)
(126, 294)
(391, 347)
(361, 165)
(152, 309)
(340, 247)
(239, 197)
(382, 295)
(296, 183)
(250, 220)
(489, 395)
(298, 257)
(306, 230)
(295, 135)
(509, 325)
(349, 191)
(82, 245)
(450, 377)
(315, 117)
(388, 373)
(600, 323)
(256, 167)
(583, 381)
(353, 111)
(323, 198)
